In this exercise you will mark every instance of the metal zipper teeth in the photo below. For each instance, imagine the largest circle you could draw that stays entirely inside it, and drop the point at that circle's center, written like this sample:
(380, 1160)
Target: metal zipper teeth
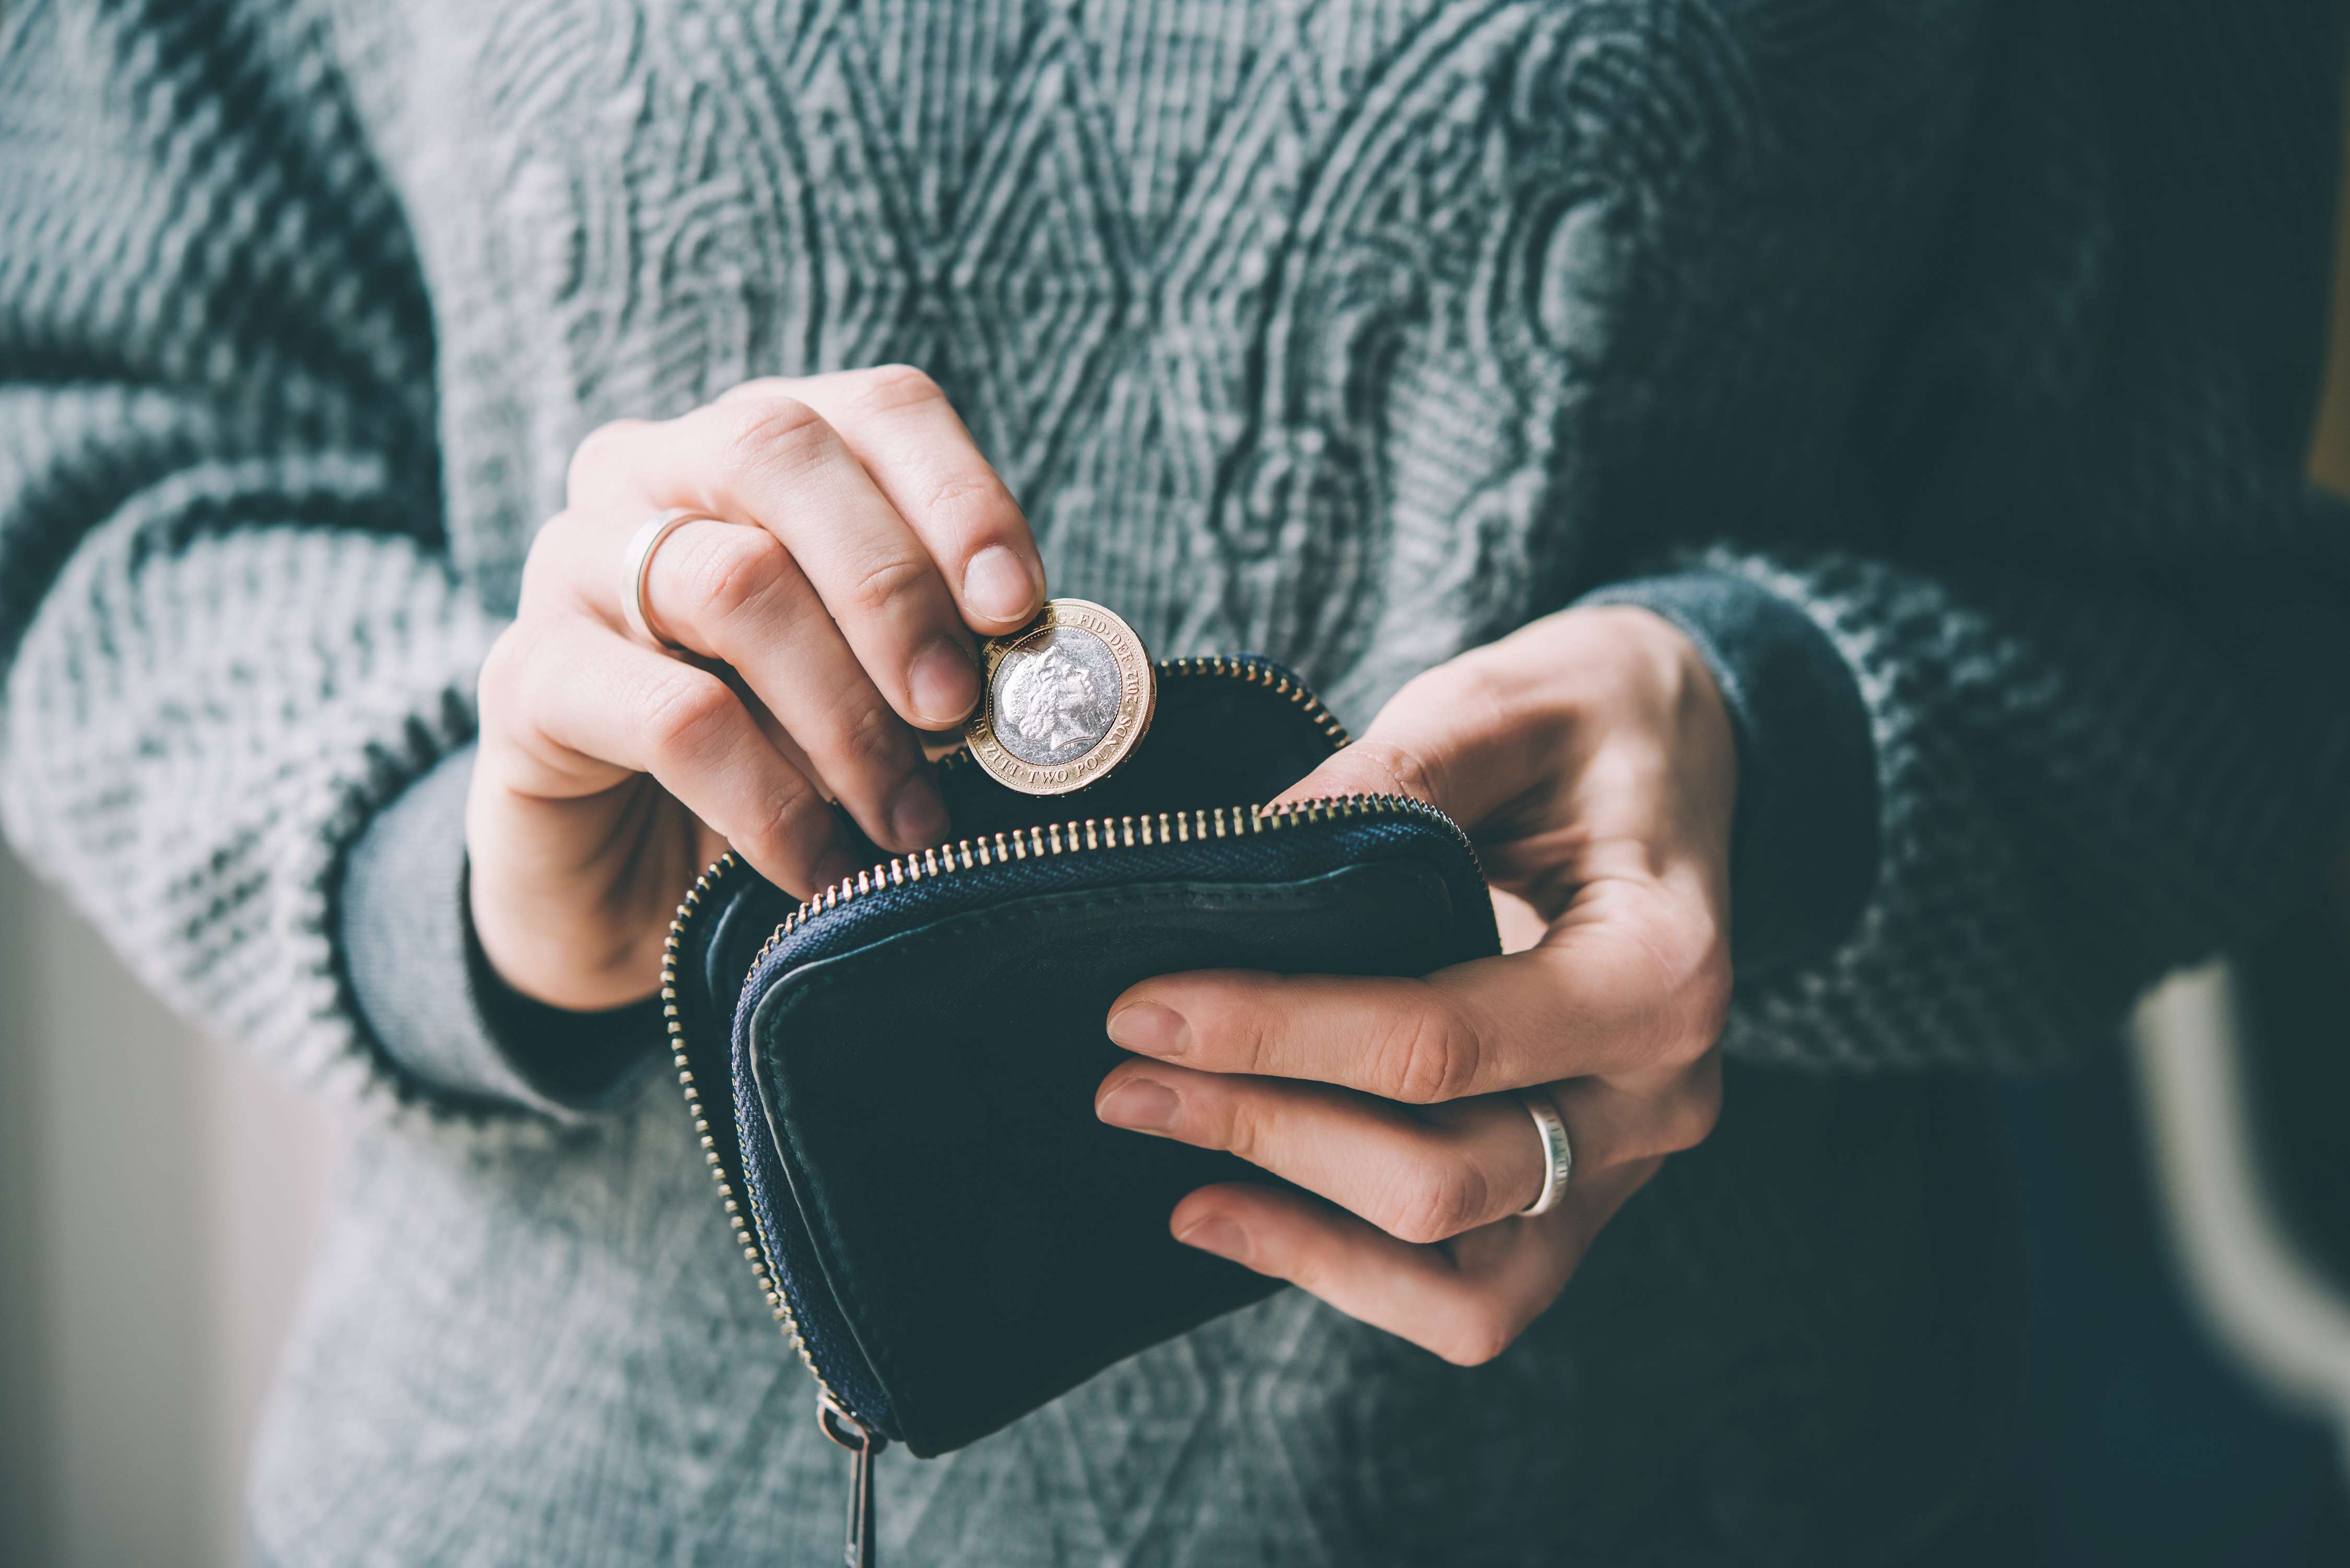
(1097, 833)
(1090, 834)
(1252, 673)
(1255, 674)
(747, 1231)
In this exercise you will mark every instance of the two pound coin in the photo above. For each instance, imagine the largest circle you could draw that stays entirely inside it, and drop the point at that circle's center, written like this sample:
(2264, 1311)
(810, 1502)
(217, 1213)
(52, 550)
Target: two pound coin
(1068, 696)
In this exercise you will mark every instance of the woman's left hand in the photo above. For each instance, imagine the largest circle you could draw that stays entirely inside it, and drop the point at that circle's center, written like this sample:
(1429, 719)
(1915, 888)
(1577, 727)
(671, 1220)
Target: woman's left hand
(1591, 758)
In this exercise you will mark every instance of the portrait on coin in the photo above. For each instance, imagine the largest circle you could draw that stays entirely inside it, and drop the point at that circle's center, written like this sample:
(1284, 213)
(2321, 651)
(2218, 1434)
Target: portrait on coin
(1055, 696)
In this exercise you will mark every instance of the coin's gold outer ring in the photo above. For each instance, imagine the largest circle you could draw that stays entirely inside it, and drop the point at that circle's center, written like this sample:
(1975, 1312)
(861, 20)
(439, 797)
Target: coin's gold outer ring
(1138, 702)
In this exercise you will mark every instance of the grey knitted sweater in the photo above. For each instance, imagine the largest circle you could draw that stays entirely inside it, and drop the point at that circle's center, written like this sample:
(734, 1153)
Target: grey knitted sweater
(1975, 340)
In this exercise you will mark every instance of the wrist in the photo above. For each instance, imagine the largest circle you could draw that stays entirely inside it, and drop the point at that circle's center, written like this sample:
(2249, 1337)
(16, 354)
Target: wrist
(428, 995)
(543, 924)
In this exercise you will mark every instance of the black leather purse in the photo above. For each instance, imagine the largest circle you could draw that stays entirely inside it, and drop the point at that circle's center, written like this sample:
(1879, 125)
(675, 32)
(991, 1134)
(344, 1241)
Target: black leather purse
(893, 1082)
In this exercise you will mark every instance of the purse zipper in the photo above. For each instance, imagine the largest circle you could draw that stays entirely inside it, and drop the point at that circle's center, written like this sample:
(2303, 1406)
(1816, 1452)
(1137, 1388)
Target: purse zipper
(1088, 834)
(834, 1416)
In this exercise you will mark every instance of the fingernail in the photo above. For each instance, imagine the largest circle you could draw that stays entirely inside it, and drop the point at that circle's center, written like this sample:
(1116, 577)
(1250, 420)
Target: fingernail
(1153, 1030)
(918, 816)
(998, 584)
(943, 683)
(1219, 1236)
(1139, 1104)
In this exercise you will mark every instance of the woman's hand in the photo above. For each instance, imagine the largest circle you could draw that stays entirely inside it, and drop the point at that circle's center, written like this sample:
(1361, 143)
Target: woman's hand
(855, 542)
(1591, 758)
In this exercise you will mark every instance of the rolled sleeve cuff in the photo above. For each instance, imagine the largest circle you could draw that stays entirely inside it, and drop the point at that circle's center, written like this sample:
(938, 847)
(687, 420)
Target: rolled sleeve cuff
(432, 998)
(1804, 834)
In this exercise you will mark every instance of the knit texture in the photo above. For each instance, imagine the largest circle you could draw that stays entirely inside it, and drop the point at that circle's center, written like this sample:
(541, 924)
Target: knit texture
(1355, 334)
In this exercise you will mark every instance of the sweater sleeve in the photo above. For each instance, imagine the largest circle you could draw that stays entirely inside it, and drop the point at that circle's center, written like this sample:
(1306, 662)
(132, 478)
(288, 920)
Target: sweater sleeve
(230, 629)
(428, 990)
(2097, 622)
(2078, 788)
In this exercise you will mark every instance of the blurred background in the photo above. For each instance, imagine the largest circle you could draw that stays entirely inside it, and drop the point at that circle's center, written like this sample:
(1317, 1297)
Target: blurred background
(157, 1198)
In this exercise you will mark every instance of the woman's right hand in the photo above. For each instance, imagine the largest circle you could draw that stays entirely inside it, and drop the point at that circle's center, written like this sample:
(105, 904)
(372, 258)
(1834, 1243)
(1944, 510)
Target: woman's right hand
(855, 542)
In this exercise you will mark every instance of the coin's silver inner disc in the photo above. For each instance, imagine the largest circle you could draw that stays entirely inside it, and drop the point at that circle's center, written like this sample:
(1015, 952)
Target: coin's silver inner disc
(1055, 696)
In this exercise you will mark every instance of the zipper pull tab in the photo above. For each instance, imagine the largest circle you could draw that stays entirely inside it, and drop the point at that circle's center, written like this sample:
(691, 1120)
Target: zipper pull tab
(862, 1443)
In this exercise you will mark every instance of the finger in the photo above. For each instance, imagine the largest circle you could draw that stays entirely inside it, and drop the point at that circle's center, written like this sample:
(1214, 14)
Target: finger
(1502, 723)
(901, 427)
(1419, 1176)
(571, 562)
(1424, 1176)
(1466, 1299)
(1586, 1001)
(735, 594)
(1443, 739)
(777, 464)
(583, 693)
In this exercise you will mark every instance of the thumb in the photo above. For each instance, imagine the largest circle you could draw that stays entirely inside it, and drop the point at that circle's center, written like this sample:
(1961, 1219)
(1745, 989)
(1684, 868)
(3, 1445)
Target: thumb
(1447, 738)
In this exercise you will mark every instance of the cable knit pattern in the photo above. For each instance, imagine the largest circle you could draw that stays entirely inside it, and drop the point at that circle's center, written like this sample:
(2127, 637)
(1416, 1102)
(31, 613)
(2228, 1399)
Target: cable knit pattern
(1352, 333)
(219, 401)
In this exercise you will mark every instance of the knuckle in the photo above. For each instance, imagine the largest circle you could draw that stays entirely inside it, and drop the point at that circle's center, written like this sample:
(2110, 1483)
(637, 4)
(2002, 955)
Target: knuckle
(1474, 684)
(1397, 769)
(1696, 1111)
(1237, 1127)
(1435, 1203)
(1249, 1036)
(543, 567)
(734, 569)
(886, 387)
(686, 714)
(1477, 1334)
(787, 835)
(500, 686)
(596, 460)
(970, 499)
(539, 576)
(770, 436)
(1703, 1005)
(884, 582)
(1427, 1057)
(871, 738)
(757, 388)
(1692, 1121)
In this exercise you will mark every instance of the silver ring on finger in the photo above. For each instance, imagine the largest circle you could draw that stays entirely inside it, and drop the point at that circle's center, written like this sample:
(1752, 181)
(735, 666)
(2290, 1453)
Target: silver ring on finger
(636, 561)
(1558, 1152)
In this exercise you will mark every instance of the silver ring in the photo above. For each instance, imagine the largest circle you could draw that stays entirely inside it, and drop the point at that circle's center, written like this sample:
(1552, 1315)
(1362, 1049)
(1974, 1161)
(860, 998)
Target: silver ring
(1559, 1153)
(635, 562)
